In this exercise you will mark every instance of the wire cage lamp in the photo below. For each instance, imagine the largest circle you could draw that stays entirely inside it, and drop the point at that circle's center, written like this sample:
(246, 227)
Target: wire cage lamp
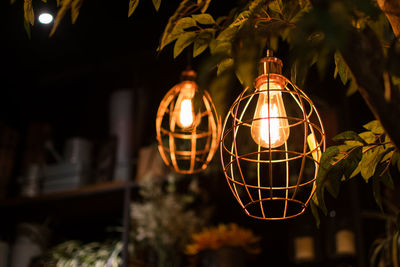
(271, 144)
(188, 127)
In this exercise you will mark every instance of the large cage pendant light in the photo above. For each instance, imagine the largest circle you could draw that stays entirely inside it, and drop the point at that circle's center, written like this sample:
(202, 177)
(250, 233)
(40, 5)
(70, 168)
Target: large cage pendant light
(188, 127)
(271, 144)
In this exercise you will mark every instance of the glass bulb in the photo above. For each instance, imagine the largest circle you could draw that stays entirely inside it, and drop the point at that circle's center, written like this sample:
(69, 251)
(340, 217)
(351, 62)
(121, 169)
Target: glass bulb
(270, 123)
(184, 111)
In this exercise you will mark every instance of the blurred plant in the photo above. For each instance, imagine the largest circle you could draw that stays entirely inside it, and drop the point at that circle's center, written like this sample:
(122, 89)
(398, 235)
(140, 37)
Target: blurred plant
(74, 253)
(370, 154)
(231, 235)
(163, 220)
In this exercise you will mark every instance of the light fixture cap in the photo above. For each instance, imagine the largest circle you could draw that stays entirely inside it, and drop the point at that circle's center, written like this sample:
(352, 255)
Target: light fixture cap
(188, 75)
(270, 64)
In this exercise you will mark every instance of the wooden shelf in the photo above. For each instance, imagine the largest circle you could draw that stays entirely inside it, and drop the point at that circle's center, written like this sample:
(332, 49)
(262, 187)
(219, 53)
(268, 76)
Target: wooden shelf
(84, 191)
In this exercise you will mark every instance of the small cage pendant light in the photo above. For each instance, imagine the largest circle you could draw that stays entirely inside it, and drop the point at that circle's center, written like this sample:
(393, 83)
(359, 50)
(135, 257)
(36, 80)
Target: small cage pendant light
(188, 127)
(271, 144)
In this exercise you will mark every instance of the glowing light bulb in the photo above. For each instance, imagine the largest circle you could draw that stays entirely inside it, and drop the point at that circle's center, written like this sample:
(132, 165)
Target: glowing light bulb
(270, 127)
(184, 113)
(45, 18)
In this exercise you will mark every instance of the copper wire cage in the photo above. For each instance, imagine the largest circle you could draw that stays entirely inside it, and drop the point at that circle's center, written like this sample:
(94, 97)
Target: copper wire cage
(188, 150)
(272, 183)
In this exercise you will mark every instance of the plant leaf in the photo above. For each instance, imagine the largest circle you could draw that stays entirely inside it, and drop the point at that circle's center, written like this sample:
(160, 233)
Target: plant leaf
(324, 167)
(370, 161)
(204, 4)
(65, 5)
(156, 4)
(28, 12)
(132, 6)
(333, 178)
(27, 28)
(353, 88)
(205, 19)
(375, 127)
(168, 35)
(352, 161)
(202, 41)
(224, 65)
(75, 7)
(183, 41)
(368, 137)
(348, 135)
(184, 23)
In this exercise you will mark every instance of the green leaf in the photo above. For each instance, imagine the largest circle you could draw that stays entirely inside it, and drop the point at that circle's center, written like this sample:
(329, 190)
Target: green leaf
(228, 34)
(396, 159)
(326, 160)
(156, 4)
(375, 127)
(28, 12)
(370, 160)
(388, 155)
(183, 41)
(368, 137)
(275, 7)
(202, 41)
(353, 88)
(205, 4)
(75, 8)
(348, 135)
(205, 19)
(333, 179)
(356, 171)
(352, 161)
(170, 33)
(27, 29)
(184, 23)
(341, 68)
(324, 167)
(224, 65)
(199, 46)
(132, 6)
(218, 47)
(65, 5)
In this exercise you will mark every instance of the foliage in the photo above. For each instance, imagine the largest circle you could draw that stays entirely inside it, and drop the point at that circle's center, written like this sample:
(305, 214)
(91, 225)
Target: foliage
(230, 235)
(75, 253)
(370, 154)
(385, 250)
(155, 219)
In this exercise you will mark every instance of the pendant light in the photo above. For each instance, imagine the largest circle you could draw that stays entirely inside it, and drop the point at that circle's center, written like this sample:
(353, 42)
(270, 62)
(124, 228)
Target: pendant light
(271, 144)
(188, 127)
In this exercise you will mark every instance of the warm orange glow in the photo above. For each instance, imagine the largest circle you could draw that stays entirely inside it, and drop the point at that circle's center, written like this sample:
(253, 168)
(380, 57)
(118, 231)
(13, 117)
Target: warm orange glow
(184, 114)
(270, 124)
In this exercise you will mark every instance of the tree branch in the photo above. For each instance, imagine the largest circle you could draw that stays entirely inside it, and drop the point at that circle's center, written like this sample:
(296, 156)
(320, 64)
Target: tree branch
(363, 54)
(391, 8)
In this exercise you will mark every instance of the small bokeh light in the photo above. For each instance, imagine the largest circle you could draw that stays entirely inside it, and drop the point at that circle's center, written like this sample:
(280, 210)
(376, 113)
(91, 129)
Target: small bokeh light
(45, 18)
